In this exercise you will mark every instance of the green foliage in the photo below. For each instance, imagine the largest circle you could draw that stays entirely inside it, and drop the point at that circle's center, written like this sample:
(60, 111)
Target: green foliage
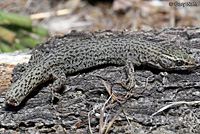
(17, 32)
(5, 48)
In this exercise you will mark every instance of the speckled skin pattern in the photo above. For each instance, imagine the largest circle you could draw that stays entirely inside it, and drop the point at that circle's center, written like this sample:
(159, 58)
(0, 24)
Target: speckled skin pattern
(83, 54)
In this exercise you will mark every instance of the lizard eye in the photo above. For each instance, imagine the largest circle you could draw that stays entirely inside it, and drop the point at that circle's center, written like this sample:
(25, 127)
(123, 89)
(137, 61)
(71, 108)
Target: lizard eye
(179, 63)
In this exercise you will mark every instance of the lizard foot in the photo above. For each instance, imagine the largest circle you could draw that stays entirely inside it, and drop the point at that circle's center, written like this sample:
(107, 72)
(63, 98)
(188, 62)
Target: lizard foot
(130, 81)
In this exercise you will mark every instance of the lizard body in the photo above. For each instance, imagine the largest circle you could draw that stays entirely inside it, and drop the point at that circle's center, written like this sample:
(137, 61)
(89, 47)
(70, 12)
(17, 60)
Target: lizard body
(83, 54)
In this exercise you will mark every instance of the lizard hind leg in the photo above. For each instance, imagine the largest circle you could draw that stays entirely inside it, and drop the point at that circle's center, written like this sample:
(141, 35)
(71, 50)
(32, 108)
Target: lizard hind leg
(59, 78)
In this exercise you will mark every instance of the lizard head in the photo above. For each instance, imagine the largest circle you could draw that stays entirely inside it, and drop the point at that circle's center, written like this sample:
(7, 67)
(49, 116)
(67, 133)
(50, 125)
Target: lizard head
(174, 59)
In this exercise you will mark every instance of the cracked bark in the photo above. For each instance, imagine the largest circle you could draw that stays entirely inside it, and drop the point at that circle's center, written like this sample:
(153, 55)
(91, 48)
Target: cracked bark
(84, 91)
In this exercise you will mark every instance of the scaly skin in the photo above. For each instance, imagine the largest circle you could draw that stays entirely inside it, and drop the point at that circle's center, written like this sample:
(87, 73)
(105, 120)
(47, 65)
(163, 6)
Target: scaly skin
(79, 55)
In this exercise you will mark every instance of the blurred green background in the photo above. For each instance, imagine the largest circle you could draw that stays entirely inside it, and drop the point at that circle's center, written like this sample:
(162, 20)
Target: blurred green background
(17, 32)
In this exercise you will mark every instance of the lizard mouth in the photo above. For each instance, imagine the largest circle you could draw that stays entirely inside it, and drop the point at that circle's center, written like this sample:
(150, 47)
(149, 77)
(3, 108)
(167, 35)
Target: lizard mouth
(190, 66)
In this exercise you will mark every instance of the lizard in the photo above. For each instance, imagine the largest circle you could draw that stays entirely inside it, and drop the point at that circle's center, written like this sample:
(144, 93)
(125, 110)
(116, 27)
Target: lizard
(78, 55)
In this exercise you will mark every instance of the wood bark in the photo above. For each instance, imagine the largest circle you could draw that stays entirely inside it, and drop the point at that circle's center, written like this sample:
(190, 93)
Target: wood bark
(86, 92)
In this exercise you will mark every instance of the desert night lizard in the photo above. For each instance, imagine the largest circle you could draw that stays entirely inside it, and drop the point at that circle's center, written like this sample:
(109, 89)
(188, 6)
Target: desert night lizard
(82, 54)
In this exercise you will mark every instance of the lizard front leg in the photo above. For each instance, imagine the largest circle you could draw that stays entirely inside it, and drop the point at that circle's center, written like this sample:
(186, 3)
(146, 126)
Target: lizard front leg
(131, 73)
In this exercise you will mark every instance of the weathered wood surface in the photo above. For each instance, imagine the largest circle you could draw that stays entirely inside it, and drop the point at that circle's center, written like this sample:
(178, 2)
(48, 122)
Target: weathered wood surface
(85, 91)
